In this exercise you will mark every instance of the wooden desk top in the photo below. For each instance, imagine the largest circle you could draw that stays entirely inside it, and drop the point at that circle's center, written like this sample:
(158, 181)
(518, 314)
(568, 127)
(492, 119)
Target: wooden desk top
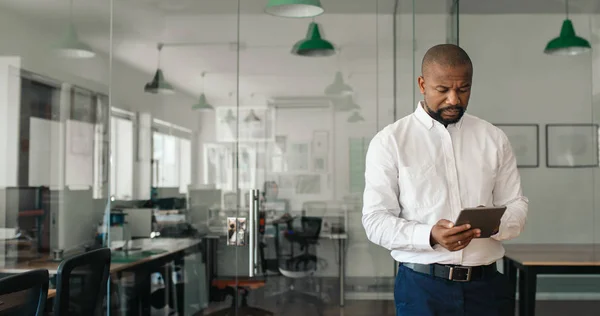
(171, 245)
(17, 299)
(554, 254)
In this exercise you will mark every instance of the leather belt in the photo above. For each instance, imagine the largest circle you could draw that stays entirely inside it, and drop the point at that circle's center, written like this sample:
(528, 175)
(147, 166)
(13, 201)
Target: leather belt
(454, 272)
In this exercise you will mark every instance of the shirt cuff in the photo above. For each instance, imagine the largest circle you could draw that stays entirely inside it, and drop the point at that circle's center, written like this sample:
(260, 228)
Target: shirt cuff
(421, 237)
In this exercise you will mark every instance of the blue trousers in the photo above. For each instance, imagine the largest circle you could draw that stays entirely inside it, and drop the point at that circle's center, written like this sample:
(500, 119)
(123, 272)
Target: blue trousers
(418, 294)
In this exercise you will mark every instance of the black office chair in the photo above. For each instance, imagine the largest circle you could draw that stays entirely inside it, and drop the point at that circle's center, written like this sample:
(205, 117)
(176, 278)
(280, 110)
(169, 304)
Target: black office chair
(81, 283)
(303, 265)
(24, 294)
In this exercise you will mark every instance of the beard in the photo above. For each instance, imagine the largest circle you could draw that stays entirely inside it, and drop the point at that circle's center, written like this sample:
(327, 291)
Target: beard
(437, 115)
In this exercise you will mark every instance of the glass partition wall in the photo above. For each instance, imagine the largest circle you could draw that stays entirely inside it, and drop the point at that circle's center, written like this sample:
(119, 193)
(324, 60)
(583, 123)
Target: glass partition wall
(218, 146)
(55, 138)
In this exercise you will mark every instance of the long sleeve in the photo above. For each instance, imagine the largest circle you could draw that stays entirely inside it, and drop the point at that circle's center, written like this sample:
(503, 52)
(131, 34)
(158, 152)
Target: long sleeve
(507, 191)
(381, 209)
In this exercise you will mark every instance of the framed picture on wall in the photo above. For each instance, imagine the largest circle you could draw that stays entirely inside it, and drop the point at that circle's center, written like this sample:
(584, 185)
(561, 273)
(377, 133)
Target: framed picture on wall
(524, 140)
(572, 145)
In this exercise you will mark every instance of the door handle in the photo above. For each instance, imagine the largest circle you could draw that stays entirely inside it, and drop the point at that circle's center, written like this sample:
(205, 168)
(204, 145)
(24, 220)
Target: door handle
(253, 232)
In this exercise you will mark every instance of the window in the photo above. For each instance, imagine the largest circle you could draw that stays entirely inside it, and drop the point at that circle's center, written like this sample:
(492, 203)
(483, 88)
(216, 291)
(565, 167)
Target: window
(172, 156)
(121, 173)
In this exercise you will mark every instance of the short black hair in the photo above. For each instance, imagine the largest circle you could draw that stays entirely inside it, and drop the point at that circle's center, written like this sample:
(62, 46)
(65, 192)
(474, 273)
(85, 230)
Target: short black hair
(448, 55)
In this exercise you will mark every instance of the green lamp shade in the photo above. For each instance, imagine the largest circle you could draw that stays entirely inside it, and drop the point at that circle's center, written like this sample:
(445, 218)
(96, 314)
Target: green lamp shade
(338, 87)
(70, 46)
(313, 45)
(202, 104)
(294, 8)
(159, 84)
(355, 118)
(568, 43)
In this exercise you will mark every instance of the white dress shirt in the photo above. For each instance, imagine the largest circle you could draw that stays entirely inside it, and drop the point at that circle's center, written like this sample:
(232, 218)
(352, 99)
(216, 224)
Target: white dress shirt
(418, 172)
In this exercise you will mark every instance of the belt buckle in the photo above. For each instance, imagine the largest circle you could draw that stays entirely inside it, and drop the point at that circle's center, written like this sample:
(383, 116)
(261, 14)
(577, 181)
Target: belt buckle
(468, 274)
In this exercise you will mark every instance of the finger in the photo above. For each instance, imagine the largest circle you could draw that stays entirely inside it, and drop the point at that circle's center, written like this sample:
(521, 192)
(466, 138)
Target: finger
(464, 235)
(459, 245)
(445, 223)
(456, 230)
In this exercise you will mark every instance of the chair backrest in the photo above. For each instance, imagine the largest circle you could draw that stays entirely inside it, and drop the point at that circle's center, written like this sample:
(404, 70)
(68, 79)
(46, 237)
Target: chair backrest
(24, 294)
(81, 283)
(311, 227)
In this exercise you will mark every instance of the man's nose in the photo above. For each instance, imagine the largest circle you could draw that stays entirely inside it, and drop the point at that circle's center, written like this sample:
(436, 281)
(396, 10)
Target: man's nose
(452, 98)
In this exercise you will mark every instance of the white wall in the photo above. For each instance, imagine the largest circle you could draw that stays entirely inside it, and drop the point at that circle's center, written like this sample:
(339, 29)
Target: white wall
(515, 82)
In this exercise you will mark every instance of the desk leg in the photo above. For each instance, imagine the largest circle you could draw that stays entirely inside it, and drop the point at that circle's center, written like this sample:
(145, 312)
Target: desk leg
(210, 255)
(143, 277)
(527, 290)
(510, 270)
(342, 269)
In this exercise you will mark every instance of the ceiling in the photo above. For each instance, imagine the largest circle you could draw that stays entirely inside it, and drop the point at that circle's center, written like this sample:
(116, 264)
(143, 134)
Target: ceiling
(200, 37)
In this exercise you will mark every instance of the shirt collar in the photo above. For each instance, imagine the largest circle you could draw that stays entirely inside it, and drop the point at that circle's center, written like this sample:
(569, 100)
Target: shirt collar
(429, 122)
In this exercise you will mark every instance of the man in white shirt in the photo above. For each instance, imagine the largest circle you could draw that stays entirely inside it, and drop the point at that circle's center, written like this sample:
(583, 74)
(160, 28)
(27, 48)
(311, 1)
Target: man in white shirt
(421, 171)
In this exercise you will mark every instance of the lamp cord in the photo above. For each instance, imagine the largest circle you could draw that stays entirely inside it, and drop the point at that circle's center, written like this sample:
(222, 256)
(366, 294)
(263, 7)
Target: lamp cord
(159, 46)
(567, 8)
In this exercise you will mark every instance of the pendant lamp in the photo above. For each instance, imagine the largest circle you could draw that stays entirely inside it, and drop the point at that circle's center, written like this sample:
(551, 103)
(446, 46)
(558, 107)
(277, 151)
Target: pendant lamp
(251, 117)
(567, 43)
(355, 118)
(70, 46)
(159, 84)
(338, 87)
(202, 104)
(229, 117)
(313, 45)
(294, 8)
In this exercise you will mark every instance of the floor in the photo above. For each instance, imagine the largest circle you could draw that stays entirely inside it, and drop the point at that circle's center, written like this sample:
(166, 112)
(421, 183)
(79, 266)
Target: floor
(386, 308)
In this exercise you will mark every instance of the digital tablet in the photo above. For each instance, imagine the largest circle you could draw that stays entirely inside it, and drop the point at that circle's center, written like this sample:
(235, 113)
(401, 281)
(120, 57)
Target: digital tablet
(487, 219)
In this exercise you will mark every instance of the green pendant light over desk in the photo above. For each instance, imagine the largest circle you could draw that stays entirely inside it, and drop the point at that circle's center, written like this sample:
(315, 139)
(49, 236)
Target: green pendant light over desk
(202, 104)
(567, 43)
(338, 87)
(70, 46)
(313, 45)
(294, 8)
(159, 84)
(355, 118)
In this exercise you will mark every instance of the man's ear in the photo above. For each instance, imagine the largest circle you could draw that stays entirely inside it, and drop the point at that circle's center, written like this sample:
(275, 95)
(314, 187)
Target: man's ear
(421, 82)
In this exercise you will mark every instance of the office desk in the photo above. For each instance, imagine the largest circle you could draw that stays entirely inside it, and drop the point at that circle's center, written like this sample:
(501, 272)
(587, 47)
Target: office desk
(171, 246)
(174, 251)
(532, 260)
(18, 299)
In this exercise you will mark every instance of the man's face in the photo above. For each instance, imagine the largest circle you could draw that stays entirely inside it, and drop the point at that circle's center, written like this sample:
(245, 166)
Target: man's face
(446, 91)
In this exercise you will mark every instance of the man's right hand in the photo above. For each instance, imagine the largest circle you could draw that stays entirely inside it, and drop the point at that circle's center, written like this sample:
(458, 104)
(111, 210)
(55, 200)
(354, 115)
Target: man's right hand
(452, 238)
